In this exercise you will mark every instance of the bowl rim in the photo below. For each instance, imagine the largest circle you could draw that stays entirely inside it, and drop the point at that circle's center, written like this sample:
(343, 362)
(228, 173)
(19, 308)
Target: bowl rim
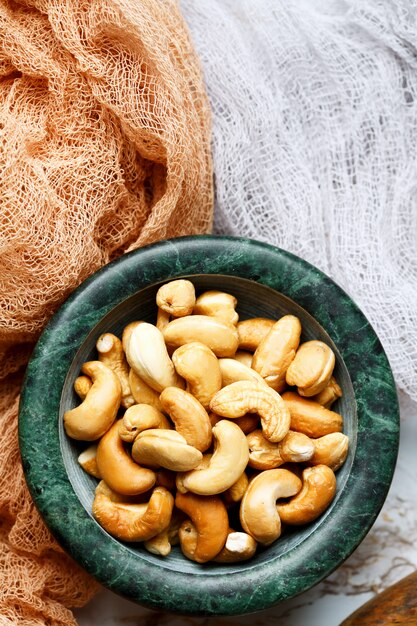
(242, 591)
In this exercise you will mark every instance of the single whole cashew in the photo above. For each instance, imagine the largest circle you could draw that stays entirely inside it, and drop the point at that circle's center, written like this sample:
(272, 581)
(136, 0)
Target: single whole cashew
(252, 332)
(244, 357)
(189, 416)
(277, 350)
(148, 357)
(176, 297)
(118, 470)
(110, 352)
(330, 450)
(311, 418)
(236, 492)
(319, 489)
(311, 368)
(82, 386)
(199, 366)
(219, 336)
(127, 333)
(90, 420)
(165, 448)
(258, 511)
(330, 394)
(134, 522)
(141, 417)
(232, 371)
(250, 397)
(204, 536)
(238, 547)
(294, 448)
(87, 460)
(217, 304)
(228, 462)
(142, 393)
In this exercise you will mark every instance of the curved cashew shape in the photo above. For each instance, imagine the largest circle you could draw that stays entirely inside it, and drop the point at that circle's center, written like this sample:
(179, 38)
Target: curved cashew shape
(236, 492)
(244, 357)
(250, 397)
(148, 357)
(82, 386)
(199, 366)
(219, 336)
(264, 455)
(252, 332)
(232, 371)
(228, 462)
(127, 333)
(176, 297)
(319, 489)
(330, 450)
(97, 412)
(118, 470)
(110, 352)
(311, 368)
(217, 304)
(87, 460)
(330, 394)
(165, 448)
(238, 547)
(277, 350)
(134, 522)
(189, 416)
(142, 393)
(141, 417)
(204, 536)
(311, 418)
(258, 511)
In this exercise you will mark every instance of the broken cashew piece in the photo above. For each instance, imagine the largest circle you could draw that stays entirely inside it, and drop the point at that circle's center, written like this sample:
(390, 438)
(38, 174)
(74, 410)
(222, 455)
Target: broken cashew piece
(82, 386)
(258, 510)
(177, 298)
(227, 464)
(142, 393)
(219, 336)
(330, 450)
(217, 304)
(264, 455)
(311, 418)
(199, 366)
(117, 468)
(319, 489)
(312, 367)
(252, 331)
(232, 371)
(165, 448)
(204, 535)
(110, 352)
(148, 357)
(134, 522)
(87, 460)
(330, 394)
(243, 397)
(94, 416)
(238, 547)
(141, 417)
(189, 416)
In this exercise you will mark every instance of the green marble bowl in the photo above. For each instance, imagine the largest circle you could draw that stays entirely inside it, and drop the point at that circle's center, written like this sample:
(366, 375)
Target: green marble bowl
(267, 282)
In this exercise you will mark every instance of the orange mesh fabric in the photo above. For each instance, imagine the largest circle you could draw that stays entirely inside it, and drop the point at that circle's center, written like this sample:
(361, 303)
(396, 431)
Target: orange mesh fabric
(104, 146)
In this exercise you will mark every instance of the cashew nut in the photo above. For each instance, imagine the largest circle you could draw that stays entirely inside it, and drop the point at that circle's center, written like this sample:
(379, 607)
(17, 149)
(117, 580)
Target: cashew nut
(294, 448)
(311, 418)
(82, 386)
(319, 489)
(90, 420)
(236, 492)
(219, 336)
(330, 394)
(87, 460)
(244, 357)
(205, 534)
(165, 448)
(277, 350)
(217, 304)
(250, 397)
(127, 333)
(252, 332)
(142, 393)
(238, 547)
(176, 298)
(162, 543)
(258, 511)
(228, 462)
(166, 478)
(117, 468)
(148, 356)
(134, 522)
(162, 320)
(110, 352)
(311, 368)
(189, 416)
(232, 371)
(330, 450)
(199, 366)
(141, 417)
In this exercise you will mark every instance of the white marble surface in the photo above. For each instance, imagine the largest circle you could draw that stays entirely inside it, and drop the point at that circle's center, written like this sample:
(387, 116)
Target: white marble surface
(388, 553)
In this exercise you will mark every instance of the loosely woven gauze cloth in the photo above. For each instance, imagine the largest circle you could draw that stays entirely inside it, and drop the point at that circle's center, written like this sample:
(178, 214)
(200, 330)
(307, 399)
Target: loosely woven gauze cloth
(104, 146)
(314, 106)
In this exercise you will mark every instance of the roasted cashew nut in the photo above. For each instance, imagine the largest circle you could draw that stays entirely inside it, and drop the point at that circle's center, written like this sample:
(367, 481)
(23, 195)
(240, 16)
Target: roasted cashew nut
(311, 368)
(165, 448)
(189, 416)
(319, 489)
(162, 320)
(247, 423)
(142, 393)
(243, 397)
(176, 298)
(330, 394)
(110, 352)
(117, 469)
(217, 304)
(87, 460)
(264, 455)
(162, 543)
(228, 462)
(311, 418)
(82, 386)
(252, 332)
(236, 492)
(90, 420)
(204, 536)
(141, 417)
(134, 522)
(219, 336)
(244, 357)
(199, 366)
(238, 547)
(232, 371)
(330, 450)
(258, 510)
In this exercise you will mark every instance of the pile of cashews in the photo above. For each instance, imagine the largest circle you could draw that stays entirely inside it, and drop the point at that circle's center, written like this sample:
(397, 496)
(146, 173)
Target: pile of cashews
(201, 419)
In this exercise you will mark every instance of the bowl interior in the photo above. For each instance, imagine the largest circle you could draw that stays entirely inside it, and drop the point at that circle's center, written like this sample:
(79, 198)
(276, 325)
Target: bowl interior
(254, 300)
